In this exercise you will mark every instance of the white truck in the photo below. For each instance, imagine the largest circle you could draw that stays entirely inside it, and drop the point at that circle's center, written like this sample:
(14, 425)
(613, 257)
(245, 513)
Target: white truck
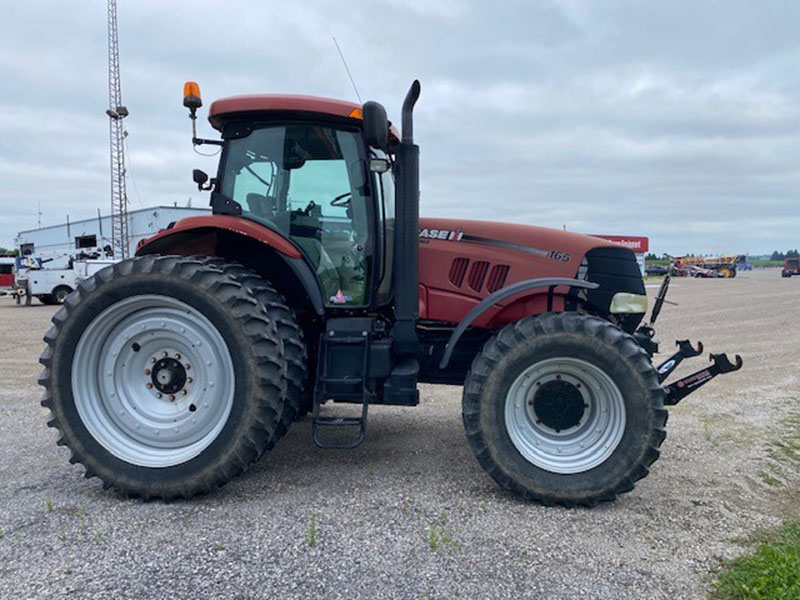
(52, 286)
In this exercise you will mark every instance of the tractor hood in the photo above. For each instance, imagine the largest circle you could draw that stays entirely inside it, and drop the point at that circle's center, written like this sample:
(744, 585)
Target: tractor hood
(528, 250)
(529, 238)
(462, 262)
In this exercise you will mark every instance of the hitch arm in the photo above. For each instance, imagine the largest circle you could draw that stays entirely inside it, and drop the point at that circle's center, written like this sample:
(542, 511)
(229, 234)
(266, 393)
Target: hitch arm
(678, 390)
(685, 350)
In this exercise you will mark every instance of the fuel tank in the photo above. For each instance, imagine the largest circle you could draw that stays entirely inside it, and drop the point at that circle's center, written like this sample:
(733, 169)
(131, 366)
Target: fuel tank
(461, 262)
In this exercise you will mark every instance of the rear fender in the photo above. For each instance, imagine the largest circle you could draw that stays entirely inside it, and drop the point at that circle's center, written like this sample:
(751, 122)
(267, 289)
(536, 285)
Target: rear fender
(261, 249)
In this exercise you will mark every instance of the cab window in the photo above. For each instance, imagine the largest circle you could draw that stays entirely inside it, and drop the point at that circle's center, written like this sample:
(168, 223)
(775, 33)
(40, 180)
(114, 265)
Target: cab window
(310, 183)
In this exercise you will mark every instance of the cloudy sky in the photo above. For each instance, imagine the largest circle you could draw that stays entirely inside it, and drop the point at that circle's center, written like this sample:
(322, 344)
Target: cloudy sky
(675, 119)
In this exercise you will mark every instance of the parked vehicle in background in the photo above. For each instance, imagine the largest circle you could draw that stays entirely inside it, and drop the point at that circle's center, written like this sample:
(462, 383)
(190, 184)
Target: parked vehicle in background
(6, 275)
(791, 266)
(726, 265)
(52, 286)
(678, 269)
(655, 269)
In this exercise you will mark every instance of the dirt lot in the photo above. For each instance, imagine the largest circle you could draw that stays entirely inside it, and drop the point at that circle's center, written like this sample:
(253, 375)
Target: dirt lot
(411, 514)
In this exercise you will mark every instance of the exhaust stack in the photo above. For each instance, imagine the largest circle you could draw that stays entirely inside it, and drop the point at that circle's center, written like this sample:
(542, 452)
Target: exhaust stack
(406, 252)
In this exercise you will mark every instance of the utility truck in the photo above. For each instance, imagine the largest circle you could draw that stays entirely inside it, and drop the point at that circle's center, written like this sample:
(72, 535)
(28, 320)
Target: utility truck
(52, 286)
(315, 282)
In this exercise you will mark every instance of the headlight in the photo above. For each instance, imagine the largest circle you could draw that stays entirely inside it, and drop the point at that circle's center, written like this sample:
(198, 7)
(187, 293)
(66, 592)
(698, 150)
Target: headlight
(625, 302)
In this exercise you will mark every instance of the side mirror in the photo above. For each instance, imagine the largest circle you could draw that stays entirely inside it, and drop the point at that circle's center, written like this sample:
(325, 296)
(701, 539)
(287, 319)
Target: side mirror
(376, 125)
(200, 178)
(379, 165)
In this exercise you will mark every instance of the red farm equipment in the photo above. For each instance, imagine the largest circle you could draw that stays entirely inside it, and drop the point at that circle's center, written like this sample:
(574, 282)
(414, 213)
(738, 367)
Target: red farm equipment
(315, 282)
(791, 266)
(6, 274)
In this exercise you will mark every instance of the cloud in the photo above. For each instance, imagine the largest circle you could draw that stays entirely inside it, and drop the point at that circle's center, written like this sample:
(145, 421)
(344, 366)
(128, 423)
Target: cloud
(675, 120)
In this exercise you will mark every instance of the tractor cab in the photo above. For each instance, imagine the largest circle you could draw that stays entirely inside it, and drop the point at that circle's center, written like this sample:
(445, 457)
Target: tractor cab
(301, 167)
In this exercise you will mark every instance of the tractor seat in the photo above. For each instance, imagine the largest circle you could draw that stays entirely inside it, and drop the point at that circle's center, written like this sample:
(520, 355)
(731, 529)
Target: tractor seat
(263, 206)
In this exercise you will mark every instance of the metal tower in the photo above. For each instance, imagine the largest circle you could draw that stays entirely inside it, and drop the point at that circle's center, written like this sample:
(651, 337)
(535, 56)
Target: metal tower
(116, 113)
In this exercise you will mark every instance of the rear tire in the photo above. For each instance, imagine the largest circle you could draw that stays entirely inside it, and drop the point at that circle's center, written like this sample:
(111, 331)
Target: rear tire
(564, 409)
(137, 431)
(289, 332)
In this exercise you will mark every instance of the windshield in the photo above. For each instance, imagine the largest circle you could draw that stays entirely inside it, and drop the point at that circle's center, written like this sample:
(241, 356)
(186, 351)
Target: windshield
(310, 183)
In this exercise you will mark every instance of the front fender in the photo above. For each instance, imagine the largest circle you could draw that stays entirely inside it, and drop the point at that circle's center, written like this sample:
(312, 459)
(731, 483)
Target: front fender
(501, 294)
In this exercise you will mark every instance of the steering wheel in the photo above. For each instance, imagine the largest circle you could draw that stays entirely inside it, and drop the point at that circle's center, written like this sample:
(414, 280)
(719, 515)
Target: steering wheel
(340, 200)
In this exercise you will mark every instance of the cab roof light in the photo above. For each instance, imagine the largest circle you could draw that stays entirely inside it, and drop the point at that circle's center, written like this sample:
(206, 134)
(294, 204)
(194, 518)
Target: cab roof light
(191, 95)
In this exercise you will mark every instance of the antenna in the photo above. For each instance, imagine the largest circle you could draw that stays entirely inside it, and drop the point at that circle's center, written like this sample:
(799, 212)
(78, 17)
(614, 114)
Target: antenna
(116, 113)
(346, 68)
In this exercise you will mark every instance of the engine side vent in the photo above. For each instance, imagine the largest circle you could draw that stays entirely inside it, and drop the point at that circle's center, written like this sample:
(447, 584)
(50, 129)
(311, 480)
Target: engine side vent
(457, 271)
(477, 274)
(497, 278)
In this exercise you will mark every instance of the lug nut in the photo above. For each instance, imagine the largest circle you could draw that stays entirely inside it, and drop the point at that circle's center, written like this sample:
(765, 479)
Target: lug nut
(183, 392)
(152, 359)
(188, 380)
(149, 385)
(178, 355)
(188, 367)
(158, 395)
(147, 371)
(172, 396)
(164, 354)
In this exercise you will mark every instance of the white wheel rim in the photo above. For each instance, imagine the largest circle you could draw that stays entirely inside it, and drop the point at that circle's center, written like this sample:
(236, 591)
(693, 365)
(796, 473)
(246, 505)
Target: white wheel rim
(589, 440)
(128, 398)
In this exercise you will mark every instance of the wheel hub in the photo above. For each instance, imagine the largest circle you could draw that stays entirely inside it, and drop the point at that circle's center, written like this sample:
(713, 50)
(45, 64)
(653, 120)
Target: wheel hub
(168, 375)
(153, 380)
(558, 405)
(564, 415)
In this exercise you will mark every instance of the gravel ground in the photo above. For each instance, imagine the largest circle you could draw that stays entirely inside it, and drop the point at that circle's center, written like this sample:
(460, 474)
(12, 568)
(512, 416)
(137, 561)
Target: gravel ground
(727, 468)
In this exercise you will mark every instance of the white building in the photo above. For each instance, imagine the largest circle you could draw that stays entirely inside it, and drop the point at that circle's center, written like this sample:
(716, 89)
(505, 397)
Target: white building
(56, 243)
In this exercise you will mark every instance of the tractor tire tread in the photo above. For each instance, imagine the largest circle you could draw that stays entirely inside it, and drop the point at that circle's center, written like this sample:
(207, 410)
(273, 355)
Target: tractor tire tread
(289, 332)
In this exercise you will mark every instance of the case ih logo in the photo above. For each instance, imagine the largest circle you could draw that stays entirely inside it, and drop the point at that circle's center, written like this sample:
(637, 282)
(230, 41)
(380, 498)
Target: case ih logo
(441, 234)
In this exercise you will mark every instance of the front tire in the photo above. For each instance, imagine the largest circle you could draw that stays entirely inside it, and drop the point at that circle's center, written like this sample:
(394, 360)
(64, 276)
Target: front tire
(564, 409)
(60, 294)
(163, 376)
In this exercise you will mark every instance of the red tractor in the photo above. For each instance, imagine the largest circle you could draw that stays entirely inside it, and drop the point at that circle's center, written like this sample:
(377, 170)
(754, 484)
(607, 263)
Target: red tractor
(314, 280)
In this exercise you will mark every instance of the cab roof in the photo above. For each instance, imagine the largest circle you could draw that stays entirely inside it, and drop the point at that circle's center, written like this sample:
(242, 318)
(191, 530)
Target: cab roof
(226, 107)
